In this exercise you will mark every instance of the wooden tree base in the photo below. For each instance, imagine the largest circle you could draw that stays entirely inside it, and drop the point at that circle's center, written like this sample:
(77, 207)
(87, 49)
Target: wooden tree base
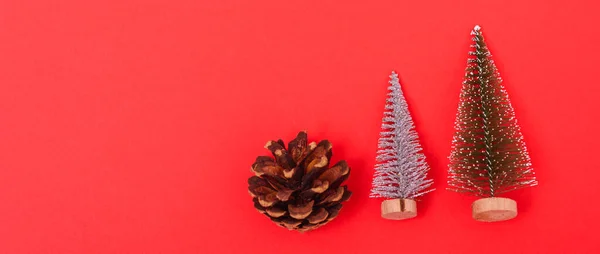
(398, 209)
(494, 209)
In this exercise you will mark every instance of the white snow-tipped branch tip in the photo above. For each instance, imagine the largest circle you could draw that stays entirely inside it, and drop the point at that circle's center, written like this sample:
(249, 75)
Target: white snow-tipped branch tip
(477, 28)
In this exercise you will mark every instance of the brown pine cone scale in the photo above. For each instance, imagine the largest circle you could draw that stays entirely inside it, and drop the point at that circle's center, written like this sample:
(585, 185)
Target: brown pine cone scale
(297, 189)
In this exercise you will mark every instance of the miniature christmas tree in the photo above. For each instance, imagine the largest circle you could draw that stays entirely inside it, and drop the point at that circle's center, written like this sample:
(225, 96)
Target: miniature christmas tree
(401, 170)
(489, 156)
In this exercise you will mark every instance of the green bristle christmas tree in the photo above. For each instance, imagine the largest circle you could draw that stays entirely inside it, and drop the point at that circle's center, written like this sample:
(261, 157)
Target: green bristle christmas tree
(489, 156)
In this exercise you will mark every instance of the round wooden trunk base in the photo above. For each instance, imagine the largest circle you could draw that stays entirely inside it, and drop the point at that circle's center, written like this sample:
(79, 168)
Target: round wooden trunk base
(494, 209)
(398, 209)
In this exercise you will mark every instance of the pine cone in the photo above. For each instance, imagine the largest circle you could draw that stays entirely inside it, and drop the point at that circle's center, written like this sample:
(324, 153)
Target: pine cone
(297, 189)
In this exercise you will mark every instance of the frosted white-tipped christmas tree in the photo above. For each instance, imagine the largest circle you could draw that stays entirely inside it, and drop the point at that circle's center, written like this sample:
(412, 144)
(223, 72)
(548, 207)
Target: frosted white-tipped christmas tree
(489, 156)
(401, 169)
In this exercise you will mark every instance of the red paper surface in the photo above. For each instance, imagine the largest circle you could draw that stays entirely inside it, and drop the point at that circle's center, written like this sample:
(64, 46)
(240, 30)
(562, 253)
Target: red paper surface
(130, 126)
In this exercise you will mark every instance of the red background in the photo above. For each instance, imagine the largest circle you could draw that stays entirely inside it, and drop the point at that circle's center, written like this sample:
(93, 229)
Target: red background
(130, 126)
